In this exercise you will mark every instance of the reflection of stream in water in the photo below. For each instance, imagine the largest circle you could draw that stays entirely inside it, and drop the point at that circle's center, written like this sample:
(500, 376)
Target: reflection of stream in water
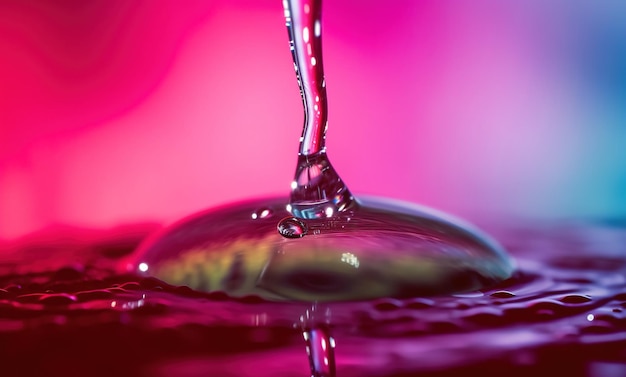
(64, 312)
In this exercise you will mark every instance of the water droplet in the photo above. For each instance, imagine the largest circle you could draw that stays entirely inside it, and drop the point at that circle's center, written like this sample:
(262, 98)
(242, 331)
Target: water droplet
(290, 227)
(502, 294)
(57, 299)
(318, 191)
(387, 249)
(575, 299)
(354, 249)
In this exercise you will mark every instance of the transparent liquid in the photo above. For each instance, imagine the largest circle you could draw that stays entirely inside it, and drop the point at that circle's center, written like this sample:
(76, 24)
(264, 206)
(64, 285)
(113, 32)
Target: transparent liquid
(321, 244)
(376, 249)
(66, 311)
(238, 287)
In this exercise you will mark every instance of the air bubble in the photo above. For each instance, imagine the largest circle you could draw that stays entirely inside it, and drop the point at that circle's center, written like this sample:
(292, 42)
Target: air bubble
(290, 227)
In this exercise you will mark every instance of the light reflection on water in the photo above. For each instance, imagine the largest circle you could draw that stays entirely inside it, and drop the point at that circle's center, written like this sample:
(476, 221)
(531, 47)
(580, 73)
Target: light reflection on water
(565, 308)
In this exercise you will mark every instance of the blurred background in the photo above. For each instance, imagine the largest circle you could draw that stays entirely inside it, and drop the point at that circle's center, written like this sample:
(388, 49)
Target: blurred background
(116, 111)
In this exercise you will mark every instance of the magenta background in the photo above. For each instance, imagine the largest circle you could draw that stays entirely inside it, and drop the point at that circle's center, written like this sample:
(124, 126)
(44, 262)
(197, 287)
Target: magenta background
(115, 111)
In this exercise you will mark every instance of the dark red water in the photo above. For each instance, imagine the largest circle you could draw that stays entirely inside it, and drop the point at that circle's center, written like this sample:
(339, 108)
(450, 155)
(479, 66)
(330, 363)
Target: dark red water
(64, 311)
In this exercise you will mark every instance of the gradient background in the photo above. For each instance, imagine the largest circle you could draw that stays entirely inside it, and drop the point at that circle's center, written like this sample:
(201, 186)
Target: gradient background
(116, 111)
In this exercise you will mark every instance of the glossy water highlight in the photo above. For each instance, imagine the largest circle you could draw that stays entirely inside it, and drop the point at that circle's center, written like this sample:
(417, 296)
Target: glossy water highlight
(563, 309)
(327, 245)
(376, 249)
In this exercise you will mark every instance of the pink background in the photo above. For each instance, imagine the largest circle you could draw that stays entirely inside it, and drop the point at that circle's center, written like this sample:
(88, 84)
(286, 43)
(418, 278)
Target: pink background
(115, 111)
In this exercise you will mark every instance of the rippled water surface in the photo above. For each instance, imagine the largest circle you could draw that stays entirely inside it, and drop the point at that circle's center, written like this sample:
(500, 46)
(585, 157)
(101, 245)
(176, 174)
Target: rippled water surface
(64, 311)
